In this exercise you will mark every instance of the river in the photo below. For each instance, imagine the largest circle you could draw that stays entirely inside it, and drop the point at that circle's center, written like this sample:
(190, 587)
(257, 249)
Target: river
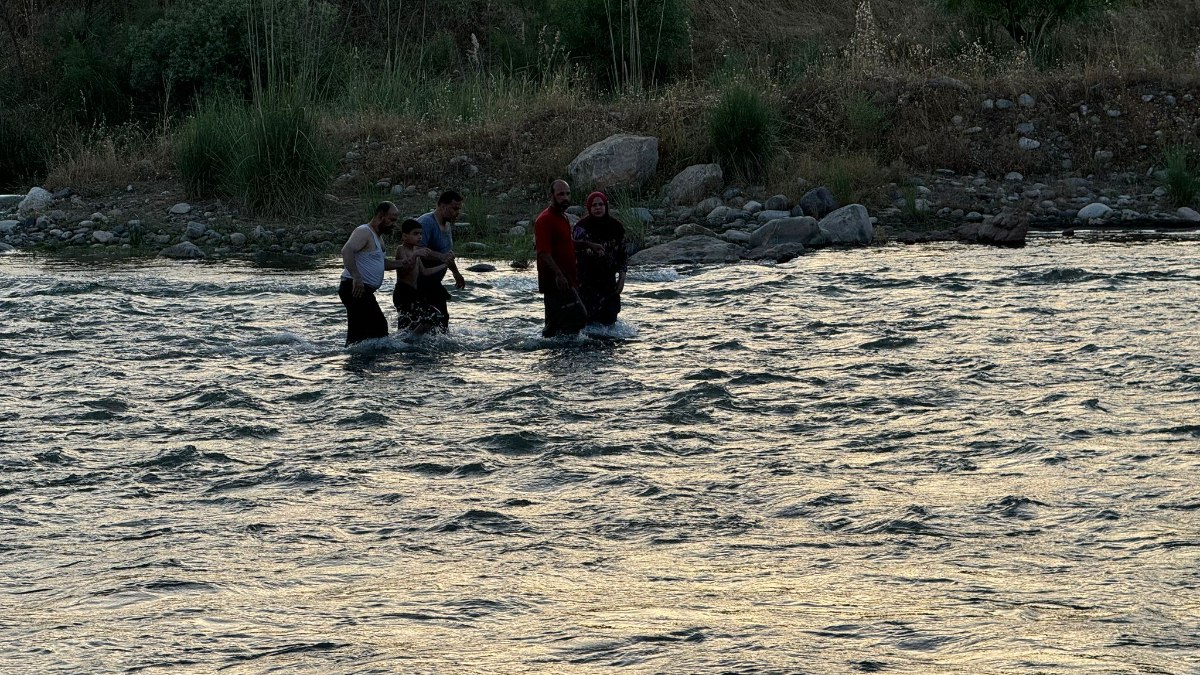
(935, 458)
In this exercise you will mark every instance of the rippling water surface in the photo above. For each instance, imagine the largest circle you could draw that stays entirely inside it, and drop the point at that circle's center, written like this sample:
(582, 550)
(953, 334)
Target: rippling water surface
(903, 460)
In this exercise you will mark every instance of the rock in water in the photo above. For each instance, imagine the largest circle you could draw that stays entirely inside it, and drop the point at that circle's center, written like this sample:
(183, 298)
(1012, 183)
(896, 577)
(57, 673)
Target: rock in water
(184, 250)
(481, 267)
(692, 249)
(1187, 214)
(803, 231)
(621, 160)
(848, 225)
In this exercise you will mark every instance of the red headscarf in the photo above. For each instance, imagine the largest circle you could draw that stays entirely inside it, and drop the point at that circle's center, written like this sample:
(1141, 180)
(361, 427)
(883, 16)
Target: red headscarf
(593, 197)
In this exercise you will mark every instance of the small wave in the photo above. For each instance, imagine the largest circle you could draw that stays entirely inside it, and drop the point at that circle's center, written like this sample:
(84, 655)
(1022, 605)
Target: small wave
(280, 339)
(369, 419)
(653, 275)
(480, 520)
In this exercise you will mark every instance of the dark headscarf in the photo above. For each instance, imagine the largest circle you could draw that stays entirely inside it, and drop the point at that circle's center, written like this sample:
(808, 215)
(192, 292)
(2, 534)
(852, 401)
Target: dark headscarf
(604, 230)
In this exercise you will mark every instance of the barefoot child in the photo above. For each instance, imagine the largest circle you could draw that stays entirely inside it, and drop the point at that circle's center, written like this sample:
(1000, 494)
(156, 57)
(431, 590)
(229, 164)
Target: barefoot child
(417, 314)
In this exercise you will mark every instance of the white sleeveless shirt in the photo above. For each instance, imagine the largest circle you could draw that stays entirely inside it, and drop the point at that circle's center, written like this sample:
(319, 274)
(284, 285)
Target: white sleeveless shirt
(370, 263)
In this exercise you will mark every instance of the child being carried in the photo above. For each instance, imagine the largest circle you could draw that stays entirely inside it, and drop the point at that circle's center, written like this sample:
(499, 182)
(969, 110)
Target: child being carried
(417, 314)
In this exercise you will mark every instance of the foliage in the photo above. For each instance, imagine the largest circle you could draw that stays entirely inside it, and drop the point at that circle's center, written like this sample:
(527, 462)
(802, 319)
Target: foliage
(89, 77)
(1031, 23)
(269, 154)
(25, 147)
(743, 132)
(865, 121)
(627, 44)
(1182, 180)
(475, 212)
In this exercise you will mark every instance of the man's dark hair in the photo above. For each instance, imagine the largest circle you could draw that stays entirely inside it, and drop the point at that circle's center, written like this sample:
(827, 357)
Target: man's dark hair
(449, 197)
(409, 225)
(383, 209)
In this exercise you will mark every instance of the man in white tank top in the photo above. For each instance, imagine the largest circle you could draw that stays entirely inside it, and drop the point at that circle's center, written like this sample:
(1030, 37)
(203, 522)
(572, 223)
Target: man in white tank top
(365, 262)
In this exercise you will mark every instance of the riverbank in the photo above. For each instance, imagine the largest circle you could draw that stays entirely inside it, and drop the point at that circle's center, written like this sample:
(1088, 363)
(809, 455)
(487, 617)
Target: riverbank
(1083, 156)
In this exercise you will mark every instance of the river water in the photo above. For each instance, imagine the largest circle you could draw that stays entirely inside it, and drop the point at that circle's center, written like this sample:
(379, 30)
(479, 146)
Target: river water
(904, 460)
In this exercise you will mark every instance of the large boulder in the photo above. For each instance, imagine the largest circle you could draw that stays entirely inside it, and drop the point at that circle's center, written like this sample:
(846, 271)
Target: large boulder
(36, 201)
(695, 183)
(184, 250)
(1007, 229)
(621, 160)
(692, 249)
(848, 225)
(818, 202)
(801, 231)
(780, 253)
(7, 226)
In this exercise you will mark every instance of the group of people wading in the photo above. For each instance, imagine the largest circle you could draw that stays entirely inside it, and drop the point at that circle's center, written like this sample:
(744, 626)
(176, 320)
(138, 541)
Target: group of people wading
(581, 268)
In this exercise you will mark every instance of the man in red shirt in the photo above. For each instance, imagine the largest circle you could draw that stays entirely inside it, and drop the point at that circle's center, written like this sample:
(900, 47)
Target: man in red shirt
(558, 281)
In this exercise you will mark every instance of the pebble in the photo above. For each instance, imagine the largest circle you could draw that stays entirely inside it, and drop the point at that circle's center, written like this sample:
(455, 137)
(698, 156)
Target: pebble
(1028, 144)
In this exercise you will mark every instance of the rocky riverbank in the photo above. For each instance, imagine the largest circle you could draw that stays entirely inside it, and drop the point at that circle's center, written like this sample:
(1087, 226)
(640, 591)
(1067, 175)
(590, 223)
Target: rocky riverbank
(1092, 163)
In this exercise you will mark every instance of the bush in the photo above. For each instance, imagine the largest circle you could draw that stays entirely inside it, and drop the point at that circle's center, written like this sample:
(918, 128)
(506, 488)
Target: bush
(865, 121)
(208, 147)
(270, 155)
(743, 133)
(1182, 183)
(1030, 23)
(628, 44)
(284, 165)
(90, 82)
(25, 148)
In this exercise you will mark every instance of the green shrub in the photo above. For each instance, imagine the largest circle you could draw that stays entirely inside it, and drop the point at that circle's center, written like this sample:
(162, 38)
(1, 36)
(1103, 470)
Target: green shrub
(24, 147)
(284, 165)
(90, 75)
(743, 132)
(865, 121)
(628, 44)
(1181, 181)
(269, 155)
(208, 147)
(1030, 23)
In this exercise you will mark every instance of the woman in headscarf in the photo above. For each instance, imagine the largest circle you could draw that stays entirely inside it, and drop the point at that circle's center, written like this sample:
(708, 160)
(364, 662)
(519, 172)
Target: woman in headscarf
(600, 250)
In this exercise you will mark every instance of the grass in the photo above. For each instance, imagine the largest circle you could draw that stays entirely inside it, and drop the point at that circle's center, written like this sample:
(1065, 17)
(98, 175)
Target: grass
(743, 132)
(1181, 181)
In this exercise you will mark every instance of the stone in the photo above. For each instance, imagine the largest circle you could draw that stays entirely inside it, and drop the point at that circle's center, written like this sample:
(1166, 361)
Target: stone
(694, 183)
(779, 253)
(1103, 156)
(818, 202)
(988, 104)
(704, 208)
(777, 203)
(308, 249)
(644, 214)
(102, 236)
(397, 190)
(194, 230)
(719, 215)
(6, 248)
(947, 82)
(9, 201)
(999, 232)
(37, 200)
(803, 230)
(689, 229)
(848, 225)
(1028, 144)
(1190, 215)
(621, 160)
(1004, 104)
(971, 131)
(736, 236)
(752, 207)
(482, 267)
(184, 250)
(352, 155)
(1093, 211)
(1014, 177)
(516, 231)
(7, 226)
(694, 249)
(768, 216)
(1026, 128)
(180, 209)
(1026, 101)
(237, 239)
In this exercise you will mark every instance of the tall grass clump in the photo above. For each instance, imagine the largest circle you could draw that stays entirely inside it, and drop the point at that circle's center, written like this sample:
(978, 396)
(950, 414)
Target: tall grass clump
(865, 121)
(268, 154)
(285, 164)
(208, 147)
(743, 132)
(1181, 180)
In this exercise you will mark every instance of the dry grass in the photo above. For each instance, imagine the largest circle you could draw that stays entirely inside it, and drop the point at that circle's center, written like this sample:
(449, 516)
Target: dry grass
(103, 161)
